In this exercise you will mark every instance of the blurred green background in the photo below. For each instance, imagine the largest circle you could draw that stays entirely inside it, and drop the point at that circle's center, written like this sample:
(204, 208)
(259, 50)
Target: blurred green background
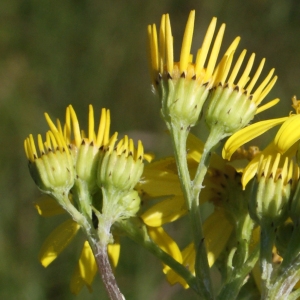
(55, 53)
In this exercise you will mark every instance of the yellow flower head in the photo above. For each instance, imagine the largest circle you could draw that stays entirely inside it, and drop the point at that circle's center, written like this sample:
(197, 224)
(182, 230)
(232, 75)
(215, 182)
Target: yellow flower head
(183, 86)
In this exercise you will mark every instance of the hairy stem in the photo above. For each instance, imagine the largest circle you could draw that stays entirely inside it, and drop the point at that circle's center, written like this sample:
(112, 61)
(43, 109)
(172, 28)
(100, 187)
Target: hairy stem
(106, 273)
(204, 282)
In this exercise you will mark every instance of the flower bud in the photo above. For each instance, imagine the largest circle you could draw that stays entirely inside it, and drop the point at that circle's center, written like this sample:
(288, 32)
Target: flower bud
(233, 105)
(230, 107)
(85, 148)
(183, 86)
(53, 170)
(120, 167)
(271, 190)
(132, 202)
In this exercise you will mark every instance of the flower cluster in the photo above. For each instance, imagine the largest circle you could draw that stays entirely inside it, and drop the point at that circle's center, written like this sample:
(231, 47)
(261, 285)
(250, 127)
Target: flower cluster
(184, 86)
(89, 176)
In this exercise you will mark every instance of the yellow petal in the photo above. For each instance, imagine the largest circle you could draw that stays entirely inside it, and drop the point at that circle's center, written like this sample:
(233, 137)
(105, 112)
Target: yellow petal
(158, 183)
(251, 168)
(57, 241)
(48, 207)
(248, 133)
(288, 134)
(77, 282)
(166, 211)
(85, 271)
(149, 157)
(194, 147)
(166, 164)
(188, 258)
(166, 243)
(267, 106)
(217, 230)
(114, 252)
(187, 42)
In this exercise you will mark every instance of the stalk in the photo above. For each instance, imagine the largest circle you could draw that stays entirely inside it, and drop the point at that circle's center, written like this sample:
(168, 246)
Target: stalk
(204, 282)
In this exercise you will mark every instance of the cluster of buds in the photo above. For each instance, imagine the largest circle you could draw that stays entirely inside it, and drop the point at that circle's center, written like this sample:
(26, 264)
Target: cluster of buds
(184, 86)
(71, 162)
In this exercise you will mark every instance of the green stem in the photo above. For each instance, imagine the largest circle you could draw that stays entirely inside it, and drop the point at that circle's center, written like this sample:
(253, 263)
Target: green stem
(179, 137)
(243, 264)
(294, 295)
(82, 197)
(293, 248)
(285, 280)
(201, 265)
(98, 245)
(98, 240)
(215, 135)
(244, 232)
(136, 230)
(64, 201)
(288, 273)
(232, 287)
(266, 263)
